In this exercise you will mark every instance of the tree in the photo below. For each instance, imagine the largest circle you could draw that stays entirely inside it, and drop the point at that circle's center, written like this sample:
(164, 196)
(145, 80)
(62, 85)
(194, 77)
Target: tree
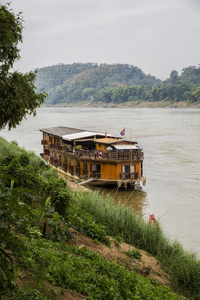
(17, 91)
(174, 76)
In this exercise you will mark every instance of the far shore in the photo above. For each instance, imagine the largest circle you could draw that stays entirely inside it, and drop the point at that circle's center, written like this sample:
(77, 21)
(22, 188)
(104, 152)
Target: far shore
(142, 104)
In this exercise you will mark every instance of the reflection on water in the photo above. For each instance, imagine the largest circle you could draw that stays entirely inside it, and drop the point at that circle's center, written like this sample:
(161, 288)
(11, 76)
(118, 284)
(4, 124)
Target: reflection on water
(137, 199)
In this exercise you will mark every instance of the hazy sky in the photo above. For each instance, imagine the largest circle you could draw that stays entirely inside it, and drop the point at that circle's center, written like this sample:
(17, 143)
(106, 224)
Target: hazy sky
(157, 36)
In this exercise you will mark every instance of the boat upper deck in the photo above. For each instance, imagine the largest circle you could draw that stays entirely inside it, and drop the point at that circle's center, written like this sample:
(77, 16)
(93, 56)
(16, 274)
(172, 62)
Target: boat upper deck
(88, 144)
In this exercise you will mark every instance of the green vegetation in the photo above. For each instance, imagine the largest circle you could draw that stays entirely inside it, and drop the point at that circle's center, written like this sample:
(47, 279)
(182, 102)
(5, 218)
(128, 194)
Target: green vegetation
(117, 83)
(37, 211)
(89, 274)
(18, 95)
(183, 268)
(134, 254)
(77, 82)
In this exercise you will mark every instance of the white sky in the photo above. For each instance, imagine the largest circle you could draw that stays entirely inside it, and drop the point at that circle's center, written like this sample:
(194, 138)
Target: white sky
(157, 36)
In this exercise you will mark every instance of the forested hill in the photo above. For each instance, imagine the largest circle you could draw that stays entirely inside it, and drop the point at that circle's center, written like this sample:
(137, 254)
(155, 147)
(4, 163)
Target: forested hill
(79, 81)
(115, 83)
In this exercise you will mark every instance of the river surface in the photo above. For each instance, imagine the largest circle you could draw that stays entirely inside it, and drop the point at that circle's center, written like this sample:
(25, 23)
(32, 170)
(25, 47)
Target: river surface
(171, 142)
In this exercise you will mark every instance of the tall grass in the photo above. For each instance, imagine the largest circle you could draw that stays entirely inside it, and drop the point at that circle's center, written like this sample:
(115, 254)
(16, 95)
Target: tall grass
(182, 266)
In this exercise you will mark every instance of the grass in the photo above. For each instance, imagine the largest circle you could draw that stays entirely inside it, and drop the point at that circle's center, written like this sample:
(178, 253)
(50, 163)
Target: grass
(182, 266)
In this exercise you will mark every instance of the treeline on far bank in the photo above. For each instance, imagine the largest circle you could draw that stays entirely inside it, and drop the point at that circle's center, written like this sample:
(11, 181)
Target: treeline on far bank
(37, 212)
(168, 92)
(117, 83)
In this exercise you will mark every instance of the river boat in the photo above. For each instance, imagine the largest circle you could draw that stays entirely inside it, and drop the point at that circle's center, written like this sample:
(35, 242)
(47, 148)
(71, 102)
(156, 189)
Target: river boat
(93, 158)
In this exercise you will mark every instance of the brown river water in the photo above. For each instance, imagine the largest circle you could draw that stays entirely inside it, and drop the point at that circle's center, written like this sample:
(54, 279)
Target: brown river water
(170, 138)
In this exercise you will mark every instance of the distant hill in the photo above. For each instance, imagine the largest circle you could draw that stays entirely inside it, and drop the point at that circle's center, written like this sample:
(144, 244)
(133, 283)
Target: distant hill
(79, 81)
(116, 83)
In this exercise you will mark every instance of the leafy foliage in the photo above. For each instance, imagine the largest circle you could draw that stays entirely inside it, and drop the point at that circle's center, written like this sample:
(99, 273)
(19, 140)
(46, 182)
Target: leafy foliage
(17, 91)
(24, 208)
(87, 273)
(15, 217)
(85, 223)
(134, 254)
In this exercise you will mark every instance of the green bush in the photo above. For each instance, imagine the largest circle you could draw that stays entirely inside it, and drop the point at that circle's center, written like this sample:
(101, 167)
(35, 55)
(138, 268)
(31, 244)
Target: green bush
(134, 254)
(82, 221)
(56, 188)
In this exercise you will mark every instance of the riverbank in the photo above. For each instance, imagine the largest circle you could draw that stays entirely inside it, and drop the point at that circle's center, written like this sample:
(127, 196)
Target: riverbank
(139, 104)
(54, 220)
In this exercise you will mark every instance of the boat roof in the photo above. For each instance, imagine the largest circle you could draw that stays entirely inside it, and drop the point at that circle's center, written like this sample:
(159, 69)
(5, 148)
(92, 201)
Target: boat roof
(61, 130)
(81, 135)
(108, 140)
(112, 141)
(126, 147)
(71, 134)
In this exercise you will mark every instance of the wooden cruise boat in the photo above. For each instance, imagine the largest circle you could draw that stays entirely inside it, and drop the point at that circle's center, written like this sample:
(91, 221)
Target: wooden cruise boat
(92, 157)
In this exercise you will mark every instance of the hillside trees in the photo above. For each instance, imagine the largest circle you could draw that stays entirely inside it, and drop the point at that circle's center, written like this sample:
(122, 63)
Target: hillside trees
(17, 90)
(174, 76)
(117, 83)
(79, 81)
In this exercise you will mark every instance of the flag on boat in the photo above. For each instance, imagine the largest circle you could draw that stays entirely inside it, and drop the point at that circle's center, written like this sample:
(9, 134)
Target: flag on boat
(122, 133)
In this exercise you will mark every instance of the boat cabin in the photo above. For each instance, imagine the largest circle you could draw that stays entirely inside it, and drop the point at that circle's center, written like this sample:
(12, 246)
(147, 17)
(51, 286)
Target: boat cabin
(93, 157)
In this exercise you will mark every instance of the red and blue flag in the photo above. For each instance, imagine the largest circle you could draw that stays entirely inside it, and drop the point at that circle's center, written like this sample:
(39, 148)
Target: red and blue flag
(122, 133)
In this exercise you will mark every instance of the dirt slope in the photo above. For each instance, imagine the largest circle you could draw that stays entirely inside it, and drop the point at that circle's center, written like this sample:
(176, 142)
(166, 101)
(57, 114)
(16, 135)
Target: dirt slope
(147, 266)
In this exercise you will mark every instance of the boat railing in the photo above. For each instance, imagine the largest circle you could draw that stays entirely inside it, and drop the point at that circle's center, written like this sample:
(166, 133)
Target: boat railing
(107, 177)
(96, 175)
(109, 155)
(96, 154)
(131, 175)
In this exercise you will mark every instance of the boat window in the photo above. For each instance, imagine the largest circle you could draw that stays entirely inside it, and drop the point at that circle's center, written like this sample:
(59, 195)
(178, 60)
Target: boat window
(57, 140)
(93, 167)
(132, 169)
(126, 169)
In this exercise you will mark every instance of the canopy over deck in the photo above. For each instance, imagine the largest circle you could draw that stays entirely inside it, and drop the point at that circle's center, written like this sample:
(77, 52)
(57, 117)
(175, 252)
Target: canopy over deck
(81, 135)
(126, 147)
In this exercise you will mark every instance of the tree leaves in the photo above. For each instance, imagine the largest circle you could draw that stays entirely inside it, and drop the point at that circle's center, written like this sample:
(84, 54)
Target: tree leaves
(17, 91)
